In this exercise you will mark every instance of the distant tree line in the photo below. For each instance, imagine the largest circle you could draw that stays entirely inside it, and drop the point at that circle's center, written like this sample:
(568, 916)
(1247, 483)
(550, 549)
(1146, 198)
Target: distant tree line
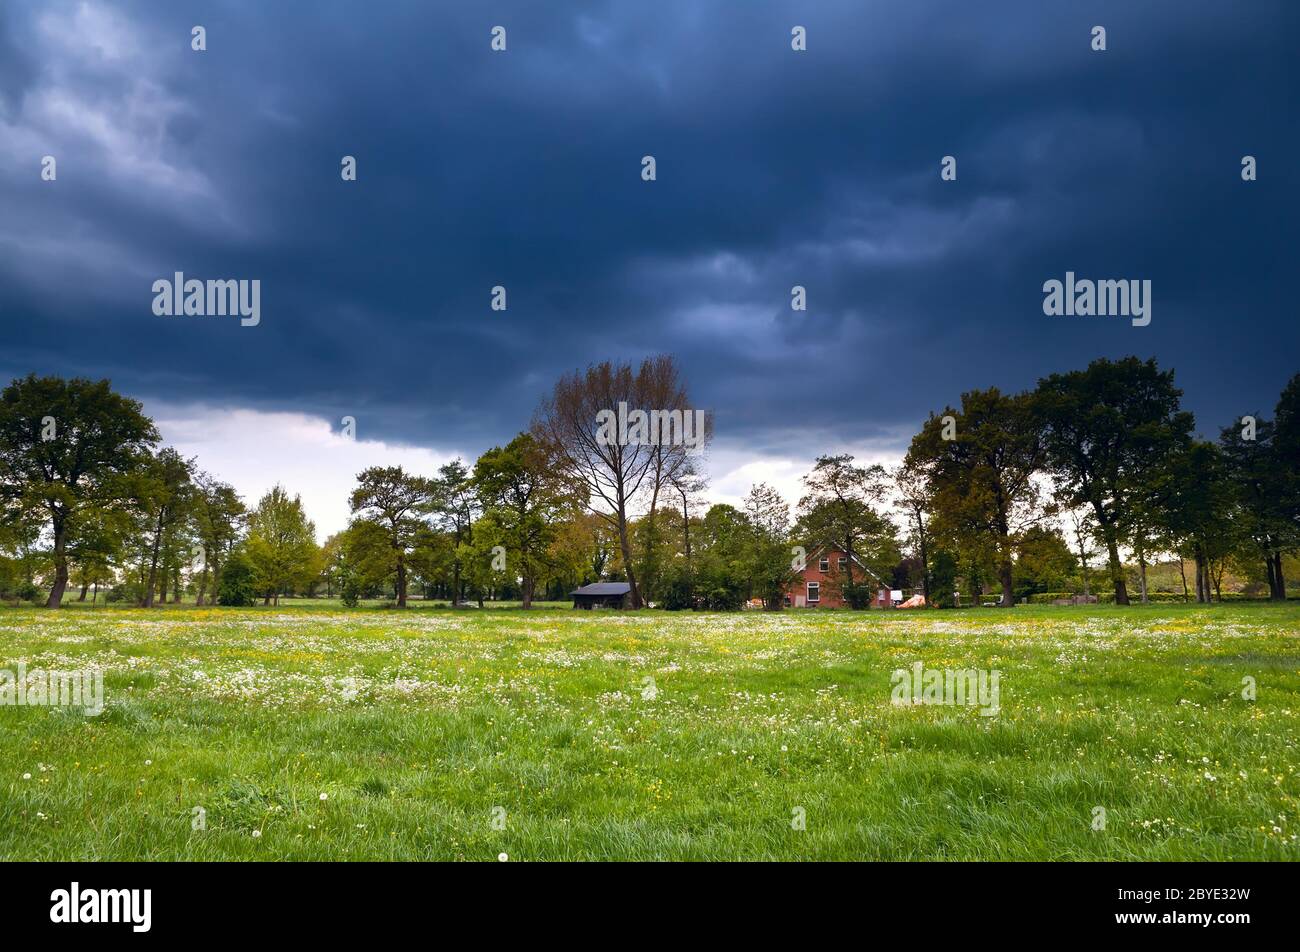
(1094, 477)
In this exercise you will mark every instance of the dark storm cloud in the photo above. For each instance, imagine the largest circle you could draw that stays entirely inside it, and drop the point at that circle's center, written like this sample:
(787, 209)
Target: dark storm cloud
(522, 169)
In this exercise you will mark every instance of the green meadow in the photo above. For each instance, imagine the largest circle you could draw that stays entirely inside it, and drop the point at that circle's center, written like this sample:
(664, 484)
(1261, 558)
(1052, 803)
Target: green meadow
(318, 733)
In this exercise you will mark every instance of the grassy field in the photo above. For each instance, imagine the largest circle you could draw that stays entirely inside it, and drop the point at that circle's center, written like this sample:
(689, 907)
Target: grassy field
(325, 734)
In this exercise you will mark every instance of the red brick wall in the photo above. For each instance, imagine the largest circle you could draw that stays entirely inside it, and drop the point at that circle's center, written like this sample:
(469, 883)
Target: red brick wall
(829, 582)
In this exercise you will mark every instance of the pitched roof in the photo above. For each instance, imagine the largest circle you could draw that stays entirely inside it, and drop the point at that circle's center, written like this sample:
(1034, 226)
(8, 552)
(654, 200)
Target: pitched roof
(603, 588)
(857, 561)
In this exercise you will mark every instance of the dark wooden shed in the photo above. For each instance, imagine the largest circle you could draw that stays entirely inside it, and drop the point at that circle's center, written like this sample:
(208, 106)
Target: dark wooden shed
(603, 595)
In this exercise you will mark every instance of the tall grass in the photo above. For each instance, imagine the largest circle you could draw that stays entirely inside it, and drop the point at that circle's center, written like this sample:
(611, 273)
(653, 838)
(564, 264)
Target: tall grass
(308, 733)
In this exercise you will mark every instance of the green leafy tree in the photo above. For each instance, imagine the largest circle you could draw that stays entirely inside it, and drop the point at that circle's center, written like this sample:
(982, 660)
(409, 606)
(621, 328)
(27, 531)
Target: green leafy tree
(981, 481)
(367, 561)
(767, 552)
(98, 541)
(1108, 432)
(455, 506)
(1258, 478)
(913, 497)
(943, 578)
(721, 580)
(1266, 477)
(281, 544)
(1044, 561)
(331, 562)
(237, 584)
(524, 503)
(393, 499)
(1196, 504)
(95, 438)
(164, 493)
(1286, 446)
(219, 516)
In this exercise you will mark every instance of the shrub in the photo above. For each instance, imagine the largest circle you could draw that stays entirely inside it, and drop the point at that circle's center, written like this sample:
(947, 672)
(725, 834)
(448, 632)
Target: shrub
(123, 592)
(350, 593)
(1162, 598)
(943, 579)
(236, 587)
(678, 590)
(857, 594)
(724, 597)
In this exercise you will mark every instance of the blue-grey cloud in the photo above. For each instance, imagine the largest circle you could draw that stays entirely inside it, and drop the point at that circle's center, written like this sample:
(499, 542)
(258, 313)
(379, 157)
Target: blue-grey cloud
(522, 169)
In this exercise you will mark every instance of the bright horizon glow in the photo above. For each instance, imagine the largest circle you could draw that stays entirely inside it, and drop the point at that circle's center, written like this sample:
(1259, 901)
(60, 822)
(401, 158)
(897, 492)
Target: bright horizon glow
(255, 449)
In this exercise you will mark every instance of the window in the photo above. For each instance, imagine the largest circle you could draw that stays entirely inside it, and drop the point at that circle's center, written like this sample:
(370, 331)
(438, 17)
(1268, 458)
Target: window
(844, 563)
(824, 565)
(814, 591)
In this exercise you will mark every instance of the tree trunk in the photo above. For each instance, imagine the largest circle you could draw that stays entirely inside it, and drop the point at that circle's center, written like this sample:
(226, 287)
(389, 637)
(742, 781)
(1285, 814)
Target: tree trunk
(686, 531)
(1004, 576)
(216, 582)
(152, 584)
(925, 560)
(1279, 594)
(625, 547)
(1116, 569)
(1202, 593)
(1083, 562)
(1182, 570)
(85, 587)
(266, 600)
(528, 591)
(649, 570)
(60, 565)
(401, 580)
(1142, 575)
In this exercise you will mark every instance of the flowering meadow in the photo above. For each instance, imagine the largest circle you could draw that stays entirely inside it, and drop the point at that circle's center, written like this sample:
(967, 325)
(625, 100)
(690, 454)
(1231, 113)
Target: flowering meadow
(1166, 732)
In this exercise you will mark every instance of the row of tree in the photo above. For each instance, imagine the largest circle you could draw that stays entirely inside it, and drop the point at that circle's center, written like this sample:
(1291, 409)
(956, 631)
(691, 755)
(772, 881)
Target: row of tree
(1009, 492)
(1111, 450)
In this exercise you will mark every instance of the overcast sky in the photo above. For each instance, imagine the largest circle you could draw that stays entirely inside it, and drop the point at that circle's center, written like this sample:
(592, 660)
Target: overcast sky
(523, 169)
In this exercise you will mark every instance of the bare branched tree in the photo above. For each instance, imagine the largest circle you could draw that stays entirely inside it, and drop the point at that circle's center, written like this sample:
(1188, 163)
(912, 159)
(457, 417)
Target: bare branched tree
(616, 473)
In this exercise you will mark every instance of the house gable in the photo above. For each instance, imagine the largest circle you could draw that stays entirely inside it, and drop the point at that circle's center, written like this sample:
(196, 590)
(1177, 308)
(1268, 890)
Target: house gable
(819, 588)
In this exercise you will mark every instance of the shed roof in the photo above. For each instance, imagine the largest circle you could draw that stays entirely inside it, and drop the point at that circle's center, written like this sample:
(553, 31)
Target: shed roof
(603, 588)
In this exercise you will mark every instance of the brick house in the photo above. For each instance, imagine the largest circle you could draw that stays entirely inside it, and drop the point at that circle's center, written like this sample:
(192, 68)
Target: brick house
(819, 583)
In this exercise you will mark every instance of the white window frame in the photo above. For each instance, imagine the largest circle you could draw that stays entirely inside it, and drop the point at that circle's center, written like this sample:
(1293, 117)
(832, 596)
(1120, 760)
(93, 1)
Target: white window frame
(843, 563)
(814, 592)
(824, 565)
